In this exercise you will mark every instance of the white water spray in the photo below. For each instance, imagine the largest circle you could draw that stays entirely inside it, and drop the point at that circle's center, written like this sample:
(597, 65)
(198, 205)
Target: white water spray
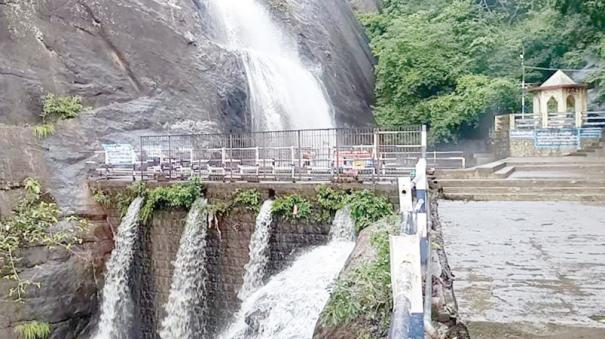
(187, 303)
(284, 92)
(259, 256)
(117, 305)
(288, 306)
(343, 226)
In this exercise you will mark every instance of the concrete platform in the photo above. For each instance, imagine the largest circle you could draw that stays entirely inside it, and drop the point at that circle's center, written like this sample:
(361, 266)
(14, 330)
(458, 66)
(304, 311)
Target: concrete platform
(527, 269)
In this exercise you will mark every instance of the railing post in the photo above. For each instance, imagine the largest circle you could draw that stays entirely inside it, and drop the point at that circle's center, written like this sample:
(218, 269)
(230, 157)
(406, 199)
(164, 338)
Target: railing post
(337, 155)
(141, 149)
(299, 155)
(169, 158)
(424, 141)
(377, 165)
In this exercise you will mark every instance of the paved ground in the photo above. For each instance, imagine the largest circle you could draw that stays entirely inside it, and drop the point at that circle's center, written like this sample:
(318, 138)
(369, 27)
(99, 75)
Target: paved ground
(520, 266)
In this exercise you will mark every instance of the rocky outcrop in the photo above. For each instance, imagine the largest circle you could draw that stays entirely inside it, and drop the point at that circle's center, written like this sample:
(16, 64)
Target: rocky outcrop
(67, 297)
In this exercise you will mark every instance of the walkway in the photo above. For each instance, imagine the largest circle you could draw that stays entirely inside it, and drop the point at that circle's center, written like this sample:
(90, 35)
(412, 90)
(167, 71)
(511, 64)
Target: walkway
(522, 265)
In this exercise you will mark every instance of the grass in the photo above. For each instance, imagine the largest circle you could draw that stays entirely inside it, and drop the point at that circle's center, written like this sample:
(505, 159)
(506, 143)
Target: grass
(33, 330)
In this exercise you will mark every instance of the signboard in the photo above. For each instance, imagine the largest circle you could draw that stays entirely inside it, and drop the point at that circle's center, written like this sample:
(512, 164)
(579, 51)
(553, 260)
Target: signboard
(119, 154)
(522, 134)
(557, 137)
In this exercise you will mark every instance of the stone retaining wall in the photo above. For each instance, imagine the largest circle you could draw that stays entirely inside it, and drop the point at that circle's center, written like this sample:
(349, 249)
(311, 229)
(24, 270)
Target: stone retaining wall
(227, 251)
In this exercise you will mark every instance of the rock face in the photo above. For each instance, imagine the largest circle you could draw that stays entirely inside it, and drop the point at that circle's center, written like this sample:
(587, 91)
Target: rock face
(143, 67)
(67, 297)
(149, 67)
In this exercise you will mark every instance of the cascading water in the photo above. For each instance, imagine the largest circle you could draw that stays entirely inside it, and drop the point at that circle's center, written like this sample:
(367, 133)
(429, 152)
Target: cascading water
(289, 305)
(343, 225)
(284, 93)
(259, 245)
(186, 306)
(117, 305)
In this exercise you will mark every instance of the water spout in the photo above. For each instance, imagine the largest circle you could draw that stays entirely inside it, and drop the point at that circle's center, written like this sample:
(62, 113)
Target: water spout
(289, 305)
(187, 303)
(259, 256)
(117, 306)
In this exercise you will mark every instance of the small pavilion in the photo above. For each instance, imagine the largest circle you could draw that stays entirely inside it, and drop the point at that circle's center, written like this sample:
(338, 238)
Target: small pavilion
(560, 102)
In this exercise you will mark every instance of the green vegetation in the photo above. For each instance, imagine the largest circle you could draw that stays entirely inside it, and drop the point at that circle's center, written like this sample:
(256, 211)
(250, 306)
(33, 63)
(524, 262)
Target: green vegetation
(329, 201)
(292, 207)
(367, 208)
(121, 199)
(30, 226)
(364, 293)
(33, 330)
(44, 130)
(250, 199)
(448, 63)
(166, 197)
(56, 108)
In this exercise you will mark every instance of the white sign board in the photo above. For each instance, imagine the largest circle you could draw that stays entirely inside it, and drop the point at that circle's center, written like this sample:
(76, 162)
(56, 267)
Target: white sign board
(119, 154)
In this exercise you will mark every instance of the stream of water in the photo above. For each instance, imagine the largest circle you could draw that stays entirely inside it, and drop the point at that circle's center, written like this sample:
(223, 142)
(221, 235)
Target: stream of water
(187, 303)
(285, 94)
(259, 256)
(117, 305)
(288, 306)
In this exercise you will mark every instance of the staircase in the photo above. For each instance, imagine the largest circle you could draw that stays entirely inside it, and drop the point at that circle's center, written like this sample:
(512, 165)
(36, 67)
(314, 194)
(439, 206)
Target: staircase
(580, 177)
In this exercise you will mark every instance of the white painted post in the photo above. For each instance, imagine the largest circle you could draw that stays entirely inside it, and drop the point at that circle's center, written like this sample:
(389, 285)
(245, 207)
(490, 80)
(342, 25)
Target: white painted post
(405, 195)
(424, 141)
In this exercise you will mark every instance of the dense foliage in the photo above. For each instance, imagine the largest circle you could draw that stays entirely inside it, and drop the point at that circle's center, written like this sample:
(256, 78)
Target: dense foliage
(364, 293)
(448, 63)
(30, 225)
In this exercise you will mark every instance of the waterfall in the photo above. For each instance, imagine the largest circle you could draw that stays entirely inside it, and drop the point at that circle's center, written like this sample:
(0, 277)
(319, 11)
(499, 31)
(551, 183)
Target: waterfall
(288, 306)
(284, 92)
(187, 303)
(343, 226)
(259, 256)
(117, 305)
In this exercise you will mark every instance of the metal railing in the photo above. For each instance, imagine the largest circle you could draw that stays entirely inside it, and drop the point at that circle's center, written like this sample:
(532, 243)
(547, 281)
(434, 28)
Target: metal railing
(558, 120)
(320, 154)
(594, 119)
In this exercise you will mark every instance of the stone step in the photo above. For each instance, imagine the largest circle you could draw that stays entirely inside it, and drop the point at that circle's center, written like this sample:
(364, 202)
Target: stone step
(504, 172)
(598, 198)
(519, 183)
(483, 171)
(524, 190)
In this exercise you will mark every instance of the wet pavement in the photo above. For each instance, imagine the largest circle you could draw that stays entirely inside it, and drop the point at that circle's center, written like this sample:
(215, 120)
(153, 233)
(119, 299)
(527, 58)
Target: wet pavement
(527, 264)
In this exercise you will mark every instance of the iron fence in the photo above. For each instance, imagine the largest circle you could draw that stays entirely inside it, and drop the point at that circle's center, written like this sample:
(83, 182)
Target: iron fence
(320, 154)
